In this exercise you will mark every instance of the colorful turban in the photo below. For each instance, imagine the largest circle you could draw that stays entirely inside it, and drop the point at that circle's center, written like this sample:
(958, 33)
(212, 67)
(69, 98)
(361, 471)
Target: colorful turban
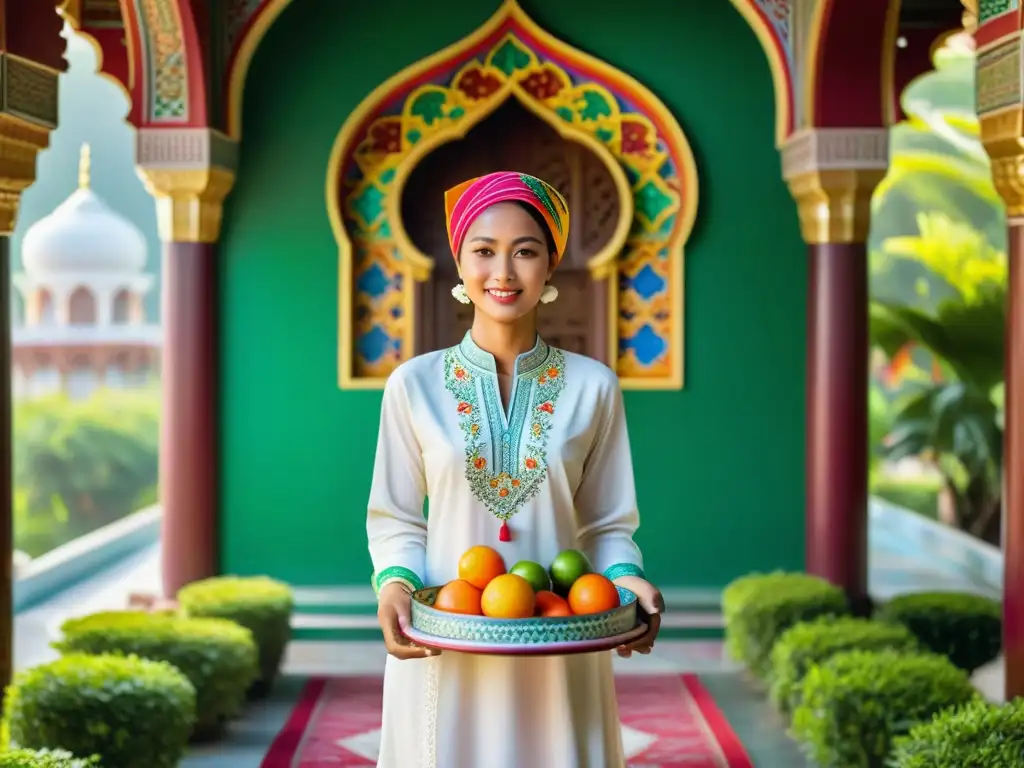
(464, 203)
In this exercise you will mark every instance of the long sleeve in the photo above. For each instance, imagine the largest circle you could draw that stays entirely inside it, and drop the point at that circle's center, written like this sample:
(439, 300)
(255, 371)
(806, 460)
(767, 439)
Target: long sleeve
(606, 498)
(395, 525)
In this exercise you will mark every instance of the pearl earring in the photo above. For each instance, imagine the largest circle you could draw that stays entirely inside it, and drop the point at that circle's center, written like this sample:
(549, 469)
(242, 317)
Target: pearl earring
(459, 292)
(549, 294)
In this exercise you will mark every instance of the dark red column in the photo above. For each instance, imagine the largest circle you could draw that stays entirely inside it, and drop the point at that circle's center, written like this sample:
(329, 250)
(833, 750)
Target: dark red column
(189, 426)
(1013, 473)
(837, 417)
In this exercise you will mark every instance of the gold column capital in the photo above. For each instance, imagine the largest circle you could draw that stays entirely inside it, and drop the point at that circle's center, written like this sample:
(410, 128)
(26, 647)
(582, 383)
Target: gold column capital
(969, 19)
(1007, 156)
(832, 174)
(20, 142)
(189, 172)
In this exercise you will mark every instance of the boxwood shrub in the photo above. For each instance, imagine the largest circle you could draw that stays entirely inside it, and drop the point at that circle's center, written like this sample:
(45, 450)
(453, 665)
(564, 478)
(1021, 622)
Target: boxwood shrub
(804, 645)
(757, 609)
(261, 605)
(857, 702)
(132, 712)
(966, 628)
(217, 656)
(45, 758)
(978, 734)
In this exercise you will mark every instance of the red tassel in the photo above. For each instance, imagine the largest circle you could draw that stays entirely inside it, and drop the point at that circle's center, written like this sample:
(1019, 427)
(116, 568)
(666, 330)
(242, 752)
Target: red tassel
(504, 534)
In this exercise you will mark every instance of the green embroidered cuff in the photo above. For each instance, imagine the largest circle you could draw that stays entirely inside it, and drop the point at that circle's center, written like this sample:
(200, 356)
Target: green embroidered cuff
(396, 573)
(618, 570)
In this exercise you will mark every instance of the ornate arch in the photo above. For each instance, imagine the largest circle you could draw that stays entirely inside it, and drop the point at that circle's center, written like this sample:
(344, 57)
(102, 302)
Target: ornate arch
(438, 100)
(167, 73)
(772, 23)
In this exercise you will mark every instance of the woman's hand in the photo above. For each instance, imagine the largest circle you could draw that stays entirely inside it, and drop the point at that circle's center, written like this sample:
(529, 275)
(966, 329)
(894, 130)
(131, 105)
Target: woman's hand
(652, 603)
(394, 612)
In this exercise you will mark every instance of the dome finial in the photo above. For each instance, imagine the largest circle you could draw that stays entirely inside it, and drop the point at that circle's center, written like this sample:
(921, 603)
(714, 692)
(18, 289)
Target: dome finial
(84, 166)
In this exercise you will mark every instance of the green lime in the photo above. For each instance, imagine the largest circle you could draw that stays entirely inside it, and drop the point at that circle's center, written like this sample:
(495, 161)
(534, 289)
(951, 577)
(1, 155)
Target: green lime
(534, 574)
(566, 568)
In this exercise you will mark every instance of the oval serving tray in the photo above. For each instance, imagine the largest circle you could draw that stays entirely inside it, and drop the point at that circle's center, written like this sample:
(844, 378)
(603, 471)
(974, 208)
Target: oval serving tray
(538, 635)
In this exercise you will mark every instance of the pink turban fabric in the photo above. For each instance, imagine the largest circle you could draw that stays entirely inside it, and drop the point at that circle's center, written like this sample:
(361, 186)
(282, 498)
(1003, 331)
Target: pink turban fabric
(465, 202)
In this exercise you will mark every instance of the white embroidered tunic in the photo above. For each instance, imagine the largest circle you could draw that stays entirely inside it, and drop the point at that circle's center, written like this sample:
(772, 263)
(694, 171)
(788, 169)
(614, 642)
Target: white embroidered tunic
(556, 466)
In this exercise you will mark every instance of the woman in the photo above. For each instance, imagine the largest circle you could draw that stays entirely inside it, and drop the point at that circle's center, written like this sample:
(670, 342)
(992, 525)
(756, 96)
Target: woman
(519, 446)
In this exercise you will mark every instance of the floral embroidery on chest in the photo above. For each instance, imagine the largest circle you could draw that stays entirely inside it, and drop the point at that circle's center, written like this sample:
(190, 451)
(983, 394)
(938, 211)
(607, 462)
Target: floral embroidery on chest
(506, 456)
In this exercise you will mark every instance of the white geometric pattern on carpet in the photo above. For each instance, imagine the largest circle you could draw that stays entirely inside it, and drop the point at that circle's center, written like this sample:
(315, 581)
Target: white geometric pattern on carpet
(363, 744)
(367, 744)
(635, 742)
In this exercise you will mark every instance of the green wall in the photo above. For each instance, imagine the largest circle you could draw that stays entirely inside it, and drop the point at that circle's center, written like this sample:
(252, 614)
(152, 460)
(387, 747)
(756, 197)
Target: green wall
(719, 466)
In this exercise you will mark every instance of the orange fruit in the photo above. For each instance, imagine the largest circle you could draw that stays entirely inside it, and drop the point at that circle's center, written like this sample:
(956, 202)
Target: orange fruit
(458, 596)
(593, 593)
(549, 604)
(508, 597)
(478, 565)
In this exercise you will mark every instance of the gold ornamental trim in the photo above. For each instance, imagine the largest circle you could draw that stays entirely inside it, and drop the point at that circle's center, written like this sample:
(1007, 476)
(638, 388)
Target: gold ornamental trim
(189, 202)
(832, 173)
(1001, 135)
(834, 206)
(20, 142)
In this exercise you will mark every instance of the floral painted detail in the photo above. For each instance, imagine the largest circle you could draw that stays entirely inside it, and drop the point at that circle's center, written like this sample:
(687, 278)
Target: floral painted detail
(506, 458)
(396, 573)
(617, 571)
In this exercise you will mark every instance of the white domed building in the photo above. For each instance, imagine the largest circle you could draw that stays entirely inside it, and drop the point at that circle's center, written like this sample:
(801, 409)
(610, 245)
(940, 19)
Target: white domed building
(83, 287)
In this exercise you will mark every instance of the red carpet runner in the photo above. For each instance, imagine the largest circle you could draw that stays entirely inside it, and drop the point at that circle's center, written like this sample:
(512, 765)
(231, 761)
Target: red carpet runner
(668, 721)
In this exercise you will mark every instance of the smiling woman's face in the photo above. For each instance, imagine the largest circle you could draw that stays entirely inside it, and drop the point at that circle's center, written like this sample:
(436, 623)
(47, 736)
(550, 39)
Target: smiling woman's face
(505, 262)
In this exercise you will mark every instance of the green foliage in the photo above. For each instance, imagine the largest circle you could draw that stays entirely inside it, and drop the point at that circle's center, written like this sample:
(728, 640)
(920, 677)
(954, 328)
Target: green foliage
(857, 702)
(262, 605)
(976, 735)
(918, 494)
(79, 465)
(954, 422)
(965, 628)
(758, 608)
(45, 758)
(132, 712)
(218, 656)
(937, 161)
(811, 643)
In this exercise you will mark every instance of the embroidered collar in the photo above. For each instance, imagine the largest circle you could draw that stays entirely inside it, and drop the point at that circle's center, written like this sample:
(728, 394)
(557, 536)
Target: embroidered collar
(526, 363)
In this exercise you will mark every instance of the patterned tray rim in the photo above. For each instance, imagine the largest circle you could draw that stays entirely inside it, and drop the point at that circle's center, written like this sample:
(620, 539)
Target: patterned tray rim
(626, 596)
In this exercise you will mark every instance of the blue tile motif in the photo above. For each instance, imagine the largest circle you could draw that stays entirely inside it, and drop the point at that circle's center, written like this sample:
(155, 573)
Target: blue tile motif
(373, 344)
(647, 345)
(647, 283)
(373, 282)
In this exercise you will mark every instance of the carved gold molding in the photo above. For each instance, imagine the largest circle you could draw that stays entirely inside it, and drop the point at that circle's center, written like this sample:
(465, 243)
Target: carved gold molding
(20, 142)
(970, 15)
(189, 172)
(832, 173)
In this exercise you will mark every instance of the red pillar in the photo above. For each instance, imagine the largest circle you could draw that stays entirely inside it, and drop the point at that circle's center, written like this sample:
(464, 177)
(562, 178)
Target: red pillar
(189, 420)
(177, 165)
(1013, 472)
(837, 416)
(832, 173)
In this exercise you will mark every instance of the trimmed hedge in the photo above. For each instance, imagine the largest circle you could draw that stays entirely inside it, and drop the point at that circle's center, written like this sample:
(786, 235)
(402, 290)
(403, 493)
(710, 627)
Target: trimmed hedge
(757, 609)
(132, 712)
(811, 643)
(966, 628)
(979, 734)
(857, 702)
(217, 656)
(261, 605)
(45, 758)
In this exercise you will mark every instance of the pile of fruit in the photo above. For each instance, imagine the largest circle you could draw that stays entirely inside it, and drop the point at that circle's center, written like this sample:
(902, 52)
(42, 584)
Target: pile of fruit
(485, 587)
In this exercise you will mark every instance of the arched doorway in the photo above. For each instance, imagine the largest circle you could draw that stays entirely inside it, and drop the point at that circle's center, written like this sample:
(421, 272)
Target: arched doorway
(512, 138)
